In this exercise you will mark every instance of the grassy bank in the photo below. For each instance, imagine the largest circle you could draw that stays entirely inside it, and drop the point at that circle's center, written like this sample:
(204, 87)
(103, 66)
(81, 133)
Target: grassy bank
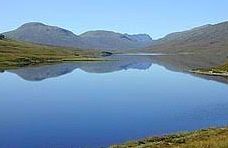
(221, 70)
(18, 54)
(209, 138)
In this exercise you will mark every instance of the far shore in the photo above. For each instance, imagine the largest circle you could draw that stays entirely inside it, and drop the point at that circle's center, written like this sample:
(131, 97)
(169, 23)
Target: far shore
(152, 54)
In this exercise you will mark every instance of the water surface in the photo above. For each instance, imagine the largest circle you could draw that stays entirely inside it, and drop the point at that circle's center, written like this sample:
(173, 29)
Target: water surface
(97, 104)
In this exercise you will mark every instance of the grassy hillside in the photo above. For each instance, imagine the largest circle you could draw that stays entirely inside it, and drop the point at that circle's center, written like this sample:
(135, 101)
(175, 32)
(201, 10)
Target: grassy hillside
(210, 138)
(201, 40)
(17, 54)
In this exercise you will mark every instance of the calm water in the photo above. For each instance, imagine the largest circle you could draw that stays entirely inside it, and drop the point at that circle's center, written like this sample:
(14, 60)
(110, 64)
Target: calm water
(98, 104)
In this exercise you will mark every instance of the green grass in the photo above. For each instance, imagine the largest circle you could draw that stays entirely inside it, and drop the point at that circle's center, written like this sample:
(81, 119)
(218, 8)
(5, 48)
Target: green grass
(209, 138)
(221, 70)
(15, 54)
(217, 69)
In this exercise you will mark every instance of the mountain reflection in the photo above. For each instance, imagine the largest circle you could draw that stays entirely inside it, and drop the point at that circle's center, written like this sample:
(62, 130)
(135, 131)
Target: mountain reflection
(116, 63)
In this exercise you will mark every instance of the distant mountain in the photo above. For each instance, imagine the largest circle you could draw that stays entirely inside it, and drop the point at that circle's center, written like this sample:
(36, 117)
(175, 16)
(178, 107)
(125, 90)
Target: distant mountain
(208, 39)
(43, 34)
(111, 40)
(51, 35)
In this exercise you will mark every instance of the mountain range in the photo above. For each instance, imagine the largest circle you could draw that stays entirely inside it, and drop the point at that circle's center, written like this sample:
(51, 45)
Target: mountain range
(205, 39)
(51, 35)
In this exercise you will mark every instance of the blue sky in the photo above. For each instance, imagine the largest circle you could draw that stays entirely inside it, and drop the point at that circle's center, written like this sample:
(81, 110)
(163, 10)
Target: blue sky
(156, 18)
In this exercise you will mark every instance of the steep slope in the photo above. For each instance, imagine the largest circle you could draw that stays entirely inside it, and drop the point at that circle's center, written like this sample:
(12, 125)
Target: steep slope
(51, 35)
(208, 39)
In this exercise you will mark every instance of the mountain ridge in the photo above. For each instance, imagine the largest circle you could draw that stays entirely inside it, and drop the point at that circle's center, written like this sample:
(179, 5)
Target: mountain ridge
(37, 32)
(210, 38)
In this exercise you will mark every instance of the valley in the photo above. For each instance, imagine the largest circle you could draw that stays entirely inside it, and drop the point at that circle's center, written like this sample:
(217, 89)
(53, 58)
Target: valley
(106, 63)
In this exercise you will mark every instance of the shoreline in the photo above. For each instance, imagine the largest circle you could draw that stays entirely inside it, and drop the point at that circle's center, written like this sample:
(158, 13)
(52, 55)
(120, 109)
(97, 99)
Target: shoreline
(211, 137)
(220, 70)
(210, 73)
(17, 54)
